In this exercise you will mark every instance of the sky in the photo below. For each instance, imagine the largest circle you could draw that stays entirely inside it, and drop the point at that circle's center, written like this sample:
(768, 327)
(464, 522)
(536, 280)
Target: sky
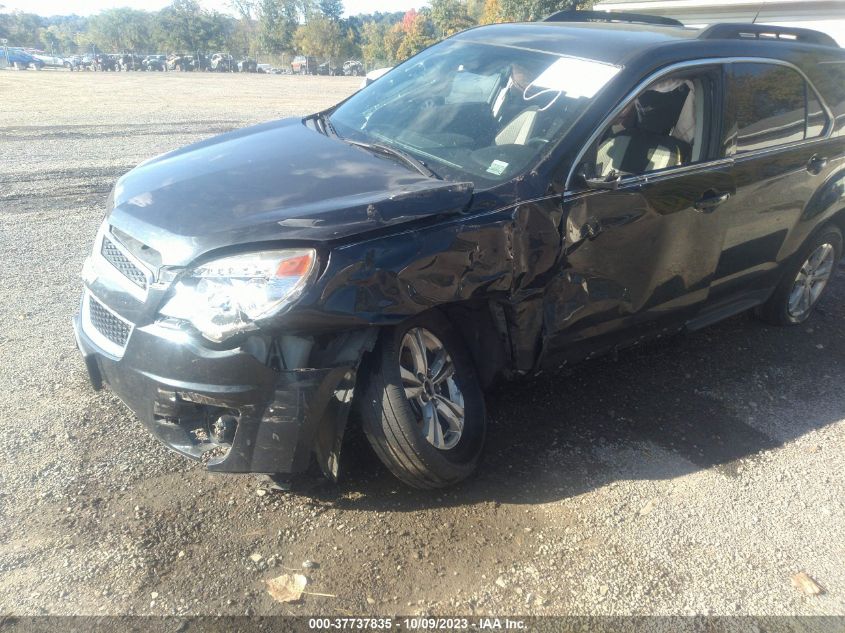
(87, 7)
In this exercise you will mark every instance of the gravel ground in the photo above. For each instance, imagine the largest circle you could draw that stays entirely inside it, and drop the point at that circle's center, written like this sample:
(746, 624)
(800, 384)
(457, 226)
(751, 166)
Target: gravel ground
(696, 475)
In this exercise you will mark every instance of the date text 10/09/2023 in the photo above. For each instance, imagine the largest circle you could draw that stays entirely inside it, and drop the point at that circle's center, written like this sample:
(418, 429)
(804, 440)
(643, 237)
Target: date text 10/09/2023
(417, 624)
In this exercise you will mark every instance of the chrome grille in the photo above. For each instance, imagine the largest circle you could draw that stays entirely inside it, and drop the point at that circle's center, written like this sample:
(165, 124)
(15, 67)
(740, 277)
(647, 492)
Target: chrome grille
(113, 255)
(111, 327)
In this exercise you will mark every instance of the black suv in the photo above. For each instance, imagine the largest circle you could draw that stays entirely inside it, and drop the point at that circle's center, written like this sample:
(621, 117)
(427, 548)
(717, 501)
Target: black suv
(515, 197)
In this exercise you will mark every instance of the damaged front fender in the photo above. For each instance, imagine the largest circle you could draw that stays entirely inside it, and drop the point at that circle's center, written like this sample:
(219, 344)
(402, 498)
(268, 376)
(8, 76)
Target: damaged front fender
(491, 269)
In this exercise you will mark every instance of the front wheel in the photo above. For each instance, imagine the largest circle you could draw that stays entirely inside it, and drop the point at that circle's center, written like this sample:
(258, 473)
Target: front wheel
(421, 404)
(805, 280)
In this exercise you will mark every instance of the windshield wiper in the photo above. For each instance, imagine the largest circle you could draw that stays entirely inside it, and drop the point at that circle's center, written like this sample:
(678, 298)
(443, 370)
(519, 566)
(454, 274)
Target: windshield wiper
(387, 150)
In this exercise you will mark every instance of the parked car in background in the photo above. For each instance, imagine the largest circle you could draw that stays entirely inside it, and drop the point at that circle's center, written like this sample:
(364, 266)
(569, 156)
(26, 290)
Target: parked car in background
(129, 61)
(327, 69)
(106, 63)
(514, 198)
(155, 63)
(353, 68)
(199, 62)
(303, 65)
(49, 61)
(19, 59)
(88, 62)
(247, 65)
(181, 63)
(79, 62)
(222, 63)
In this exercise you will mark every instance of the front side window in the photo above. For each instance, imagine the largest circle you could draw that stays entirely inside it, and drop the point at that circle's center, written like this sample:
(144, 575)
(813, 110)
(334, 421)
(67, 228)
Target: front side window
(474, 110)
(666, 125)
(772, 105)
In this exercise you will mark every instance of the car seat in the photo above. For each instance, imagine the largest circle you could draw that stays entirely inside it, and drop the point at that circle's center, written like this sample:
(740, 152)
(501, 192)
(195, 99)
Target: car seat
(519, 129)
(649, 146)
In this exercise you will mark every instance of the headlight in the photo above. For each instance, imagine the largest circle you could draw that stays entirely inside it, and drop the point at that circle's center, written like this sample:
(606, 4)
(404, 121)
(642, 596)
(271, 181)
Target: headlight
(228, 296)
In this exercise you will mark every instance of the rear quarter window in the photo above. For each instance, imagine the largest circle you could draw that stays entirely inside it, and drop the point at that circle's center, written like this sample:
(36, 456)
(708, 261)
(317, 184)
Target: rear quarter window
(829, 79)
(769, 103)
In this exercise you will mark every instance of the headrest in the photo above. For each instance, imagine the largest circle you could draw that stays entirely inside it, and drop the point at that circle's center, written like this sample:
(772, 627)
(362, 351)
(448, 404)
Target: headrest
(658, 112)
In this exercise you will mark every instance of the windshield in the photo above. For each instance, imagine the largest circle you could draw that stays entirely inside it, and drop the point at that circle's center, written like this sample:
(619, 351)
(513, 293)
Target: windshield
(472, 110)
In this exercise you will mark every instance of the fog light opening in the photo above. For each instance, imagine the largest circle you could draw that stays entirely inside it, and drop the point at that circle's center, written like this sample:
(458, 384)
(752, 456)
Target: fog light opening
(223, 429)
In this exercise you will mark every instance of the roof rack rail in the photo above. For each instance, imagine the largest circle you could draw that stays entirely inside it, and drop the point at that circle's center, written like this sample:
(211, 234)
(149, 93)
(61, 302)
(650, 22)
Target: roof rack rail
(611, 16)
(742, 31)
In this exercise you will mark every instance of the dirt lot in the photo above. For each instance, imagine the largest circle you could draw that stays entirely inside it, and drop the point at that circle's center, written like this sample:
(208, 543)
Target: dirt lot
(692, 476)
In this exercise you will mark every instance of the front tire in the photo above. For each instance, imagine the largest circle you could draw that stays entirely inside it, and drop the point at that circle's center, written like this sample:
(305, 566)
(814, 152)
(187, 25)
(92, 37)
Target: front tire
(805, 280)
(421, 404)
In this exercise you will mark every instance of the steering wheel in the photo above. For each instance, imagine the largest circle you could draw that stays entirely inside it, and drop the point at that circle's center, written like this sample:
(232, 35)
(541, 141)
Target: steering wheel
(429, 103)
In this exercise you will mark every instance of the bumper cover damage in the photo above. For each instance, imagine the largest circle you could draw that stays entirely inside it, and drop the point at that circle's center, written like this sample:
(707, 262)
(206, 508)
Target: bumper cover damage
(276, 419)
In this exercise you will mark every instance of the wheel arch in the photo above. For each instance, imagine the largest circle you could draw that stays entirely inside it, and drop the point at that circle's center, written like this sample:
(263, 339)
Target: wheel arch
(485, 335)
(478, 323)
(826, 207)
(838, 220)
(827, 203)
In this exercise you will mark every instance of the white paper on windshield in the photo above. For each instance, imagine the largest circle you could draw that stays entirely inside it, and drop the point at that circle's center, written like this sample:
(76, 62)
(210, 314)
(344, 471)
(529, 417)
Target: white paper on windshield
(497, 167)
(575, 78)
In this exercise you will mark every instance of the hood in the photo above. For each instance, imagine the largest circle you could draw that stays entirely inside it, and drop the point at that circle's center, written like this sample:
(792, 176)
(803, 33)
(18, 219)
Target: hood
(276, 181)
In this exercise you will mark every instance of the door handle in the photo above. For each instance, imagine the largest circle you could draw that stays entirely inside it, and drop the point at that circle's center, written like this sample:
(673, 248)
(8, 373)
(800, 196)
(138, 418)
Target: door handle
(710, 200)
(816, 164)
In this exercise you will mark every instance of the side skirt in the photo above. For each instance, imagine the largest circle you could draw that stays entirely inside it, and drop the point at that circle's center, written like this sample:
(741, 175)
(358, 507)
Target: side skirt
(726, 310)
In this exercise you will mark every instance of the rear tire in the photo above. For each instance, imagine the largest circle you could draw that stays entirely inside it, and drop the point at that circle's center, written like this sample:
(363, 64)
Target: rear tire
(805, 280)
(428, 426)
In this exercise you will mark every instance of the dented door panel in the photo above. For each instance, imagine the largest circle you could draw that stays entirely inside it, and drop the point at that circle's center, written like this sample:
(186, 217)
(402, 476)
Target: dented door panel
(640, 258)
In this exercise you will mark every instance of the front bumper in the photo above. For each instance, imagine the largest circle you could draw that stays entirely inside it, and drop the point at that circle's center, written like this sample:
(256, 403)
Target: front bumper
(178, 389)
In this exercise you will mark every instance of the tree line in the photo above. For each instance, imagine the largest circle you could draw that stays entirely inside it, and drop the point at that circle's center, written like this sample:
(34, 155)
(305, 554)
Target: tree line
(273, 30)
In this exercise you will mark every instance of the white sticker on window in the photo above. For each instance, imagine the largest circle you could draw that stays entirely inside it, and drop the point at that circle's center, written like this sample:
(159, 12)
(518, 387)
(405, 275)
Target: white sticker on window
(575, 78)
(497, 167)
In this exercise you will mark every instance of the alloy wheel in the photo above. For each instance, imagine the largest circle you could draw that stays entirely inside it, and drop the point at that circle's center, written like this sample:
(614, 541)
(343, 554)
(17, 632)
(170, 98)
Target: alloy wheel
(811, 281)
(428, 378)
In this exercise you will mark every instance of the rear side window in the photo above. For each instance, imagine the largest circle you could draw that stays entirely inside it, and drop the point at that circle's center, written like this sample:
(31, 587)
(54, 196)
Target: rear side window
(829, 78)
(816, 118)
(772, 106)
